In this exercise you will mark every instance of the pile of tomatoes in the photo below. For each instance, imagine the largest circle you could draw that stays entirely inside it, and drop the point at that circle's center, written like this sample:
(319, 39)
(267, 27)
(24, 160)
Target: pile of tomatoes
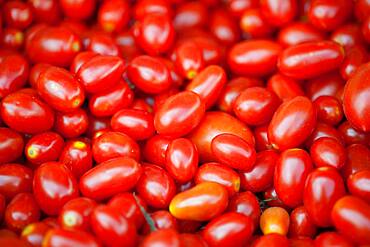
(174, 123)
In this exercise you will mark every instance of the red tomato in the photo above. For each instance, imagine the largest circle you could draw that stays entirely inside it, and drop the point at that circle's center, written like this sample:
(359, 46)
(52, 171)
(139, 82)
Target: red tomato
(355, 57)
(17, 14)
(181, 160)
(331, 239)
(113, 15)
(75, 214)
(254, 57)
(308, 60)
(11, 147)
(223, 27)
(179, 114)
(329, 110)
(284, 87)
(35, 233)
(358, 159)
(80, 59)
(358, 184)
(301, 224)
(71, 124)
(291, 171)
(46, 11)
(53, 186)
(164, 238)
(78, 10)
(110, 177)
(114, 144)
(15, 179)
(213, 124)
(146, 7)
(324, 186)
(200, 203)
(292, 123)
(44, 147)
(246, 203)
(324, 130)
(162, 220)
(353, 136)
(155, 149)
(156, 187)
(196, 10)
(62, 237)
(233, 151)
(297, 33)
(188, 59)
(279, 12)
(236, 228)
(348, 36)
(356, 93)
(326, 85)
(327, 151)
(253, 23)
(21, 211)
(26, 113)
(274, 220)
(343, 214)
(271, 240)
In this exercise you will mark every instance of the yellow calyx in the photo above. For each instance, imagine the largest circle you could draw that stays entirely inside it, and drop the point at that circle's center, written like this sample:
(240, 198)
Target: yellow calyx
(76, 46)
(191, 74)
(69, 219)
(32, 152)
(28, 229)
(79, 145)
(108, 27)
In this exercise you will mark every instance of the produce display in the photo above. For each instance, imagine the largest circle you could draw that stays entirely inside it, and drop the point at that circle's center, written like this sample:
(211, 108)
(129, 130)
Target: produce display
(175, 123)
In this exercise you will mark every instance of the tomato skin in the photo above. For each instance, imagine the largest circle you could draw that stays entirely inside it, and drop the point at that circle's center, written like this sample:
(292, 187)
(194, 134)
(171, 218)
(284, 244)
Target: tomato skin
(271, 240)
(256, 105)
(331, 239)
(16, 179)
(223, 27)
(280, 12)
(233, 89)
(275, 220)
(324, 130)
(329, 84)
(308, 60)
(355, 57)
(48, 12)
(358, 159)
(200, 203)
(192, 240)
(358, 184)
(17, 14)
(26, 113)
(245, 57)
(233, 151)
(328, 152)
(329, 110)
(283, 132)
(237, 228)
(301, 224)
(352, 135)
(146, 7)
(100, 73)
(71, 124)
(188, 59)
(260, 178)
(63, 187)
(44, 147)
(343, 213)
(208, 84)
(114, 144)
(60, 89)
(356, 92)
(246, 203)
(113, 16)
(54, 45)
(324, 186)
(198, 12)
(348, 36)
(181, 159)
(34, 233)
(127, 206)
(328, 14)
(110, 177)
(163, 237)
(80, 59)
(78, 10)
(155, 149)
(284, 87)
(298, 33)
(75, 214)
(291, 171)
(155, 34)
(11, 145)
(149, 74)
(162, 220)
(63, 237)
(14, 70)
(21, 211)
(253, 23)
(179, 114)
(156, 187)
(219, 173)
(213, 124)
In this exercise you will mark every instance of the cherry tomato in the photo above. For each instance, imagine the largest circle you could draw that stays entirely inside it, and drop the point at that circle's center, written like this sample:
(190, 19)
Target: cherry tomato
(271, 240)
(284, 87)
(329, 110)
(348, 36)
(246, 203)
(14, 71)
(292, 123)
(327, 151)
(114, 144)
(355, 94)
(223, 27)
(15, 179)
(355, 57)
(46, 11)
(329, 84)
(214, 124)
(181, 160)
(75, 214)
(44, 147)
(254, 57)
(351, 135)
(358, 159)
(163, 237)
(297, 33)
(156, 187)
(62, 237)
(179, 114)
(192, 240)
(35, 233)
(301, 224)
(110, 177)
(162, 220)
(324, 130)
(17, 14)
(236, 228)
(200, 203)
(358, 184)
(280, 12)
(324, 186)
(78, 10)
(11, 147)
(155, 149)
(343, 214)
(188, 59)
(147, 7)
(253, 23)
(233, 151)
(71, 124)
(12, 38)
(308, 60)
(113, 15)
(330, 239)
(53, 186)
